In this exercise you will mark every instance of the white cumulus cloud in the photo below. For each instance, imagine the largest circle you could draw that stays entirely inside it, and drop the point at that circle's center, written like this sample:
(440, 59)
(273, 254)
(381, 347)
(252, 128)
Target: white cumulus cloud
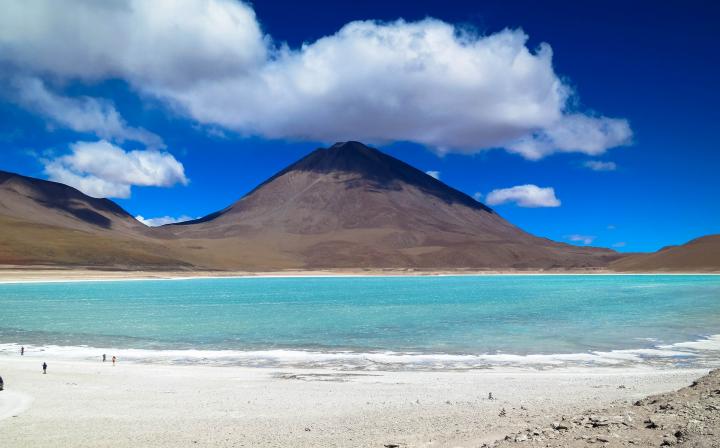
(524, 196)
(435, 174)
(149, 43)
(427, 82)
(83, 114)
(101, 169)
(162, 220)
(599, 165)
(584, 239)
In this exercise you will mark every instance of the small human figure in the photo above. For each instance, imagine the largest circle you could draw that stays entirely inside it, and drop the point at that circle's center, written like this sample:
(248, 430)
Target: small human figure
(22, 350)
(113, 360)
(2, 383)
(490, 397)
(44, 368)
(103, 357)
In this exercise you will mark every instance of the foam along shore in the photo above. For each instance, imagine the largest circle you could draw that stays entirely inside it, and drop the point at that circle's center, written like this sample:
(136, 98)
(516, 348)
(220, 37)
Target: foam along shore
(702, 353)
(91, 403)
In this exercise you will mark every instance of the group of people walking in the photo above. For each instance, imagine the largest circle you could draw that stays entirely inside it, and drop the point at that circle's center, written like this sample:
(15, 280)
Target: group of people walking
(45, 366)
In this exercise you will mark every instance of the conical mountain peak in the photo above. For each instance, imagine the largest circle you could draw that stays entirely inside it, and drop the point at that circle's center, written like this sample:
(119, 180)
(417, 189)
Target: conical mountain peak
(348, 156)
(377, 168)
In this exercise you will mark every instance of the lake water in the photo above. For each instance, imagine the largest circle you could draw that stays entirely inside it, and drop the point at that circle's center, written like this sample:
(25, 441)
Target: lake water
(373, 322)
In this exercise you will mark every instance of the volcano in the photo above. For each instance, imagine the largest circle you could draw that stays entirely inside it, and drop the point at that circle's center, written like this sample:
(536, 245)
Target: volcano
(352, 206)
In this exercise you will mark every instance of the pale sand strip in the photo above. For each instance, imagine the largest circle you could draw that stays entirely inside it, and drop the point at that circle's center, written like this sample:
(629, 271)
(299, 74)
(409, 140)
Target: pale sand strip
(91, 404)
(32, 275)
(13, 403)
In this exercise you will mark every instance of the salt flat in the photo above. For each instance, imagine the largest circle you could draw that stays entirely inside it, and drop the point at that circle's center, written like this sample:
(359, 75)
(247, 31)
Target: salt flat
(93, 404)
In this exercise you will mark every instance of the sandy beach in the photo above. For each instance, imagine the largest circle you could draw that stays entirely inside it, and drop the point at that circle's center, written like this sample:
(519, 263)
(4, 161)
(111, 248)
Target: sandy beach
(88, 403)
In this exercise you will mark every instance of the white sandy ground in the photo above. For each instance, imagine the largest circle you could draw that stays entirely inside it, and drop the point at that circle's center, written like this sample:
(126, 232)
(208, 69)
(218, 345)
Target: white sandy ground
(91, 404)
(13, 403)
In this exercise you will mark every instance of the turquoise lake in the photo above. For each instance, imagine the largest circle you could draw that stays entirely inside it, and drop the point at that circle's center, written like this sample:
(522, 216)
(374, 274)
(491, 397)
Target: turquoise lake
(373, 322)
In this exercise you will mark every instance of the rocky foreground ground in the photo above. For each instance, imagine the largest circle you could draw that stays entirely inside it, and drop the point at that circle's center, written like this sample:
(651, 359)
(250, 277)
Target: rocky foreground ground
(689, 417)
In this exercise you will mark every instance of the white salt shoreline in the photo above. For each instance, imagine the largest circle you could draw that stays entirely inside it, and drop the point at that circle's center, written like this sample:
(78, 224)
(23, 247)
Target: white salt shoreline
(83, 403)
(83, 276)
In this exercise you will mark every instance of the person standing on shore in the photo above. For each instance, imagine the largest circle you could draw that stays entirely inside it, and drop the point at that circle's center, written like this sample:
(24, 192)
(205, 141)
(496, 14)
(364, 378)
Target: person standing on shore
(113, 360)
(103, 357)
(44, 367)
(22, 350)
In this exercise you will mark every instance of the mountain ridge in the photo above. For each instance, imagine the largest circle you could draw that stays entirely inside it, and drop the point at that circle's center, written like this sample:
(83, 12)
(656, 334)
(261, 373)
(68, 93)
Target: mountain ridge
(45, 223)
(348, 206)
(62, 197)
(700, 254)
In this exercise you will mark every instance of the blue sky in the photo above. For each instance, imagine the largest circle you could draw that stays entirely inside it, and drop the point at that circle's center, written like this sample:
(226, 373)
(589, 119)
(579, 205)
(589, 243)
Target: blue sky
(650, 66)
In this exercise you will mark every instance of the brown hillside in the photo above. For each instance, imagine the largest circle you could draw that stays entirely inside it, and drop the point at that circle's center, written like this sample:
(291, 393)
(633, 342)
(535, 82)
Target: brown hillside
(45, 223)
(699, 255)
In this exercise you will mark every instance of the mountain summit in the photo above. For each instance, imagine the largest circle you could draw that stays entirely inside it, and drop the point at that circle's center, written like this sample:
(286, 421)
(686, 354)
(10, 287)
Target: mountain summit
(374, 166)
(352, 165)
(350, 205)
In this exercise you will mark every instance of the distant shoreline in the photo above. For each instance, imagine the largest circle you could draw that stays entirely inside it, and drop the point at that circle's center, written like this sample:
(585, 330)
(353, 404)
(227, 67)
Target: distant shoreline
(34, 275)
